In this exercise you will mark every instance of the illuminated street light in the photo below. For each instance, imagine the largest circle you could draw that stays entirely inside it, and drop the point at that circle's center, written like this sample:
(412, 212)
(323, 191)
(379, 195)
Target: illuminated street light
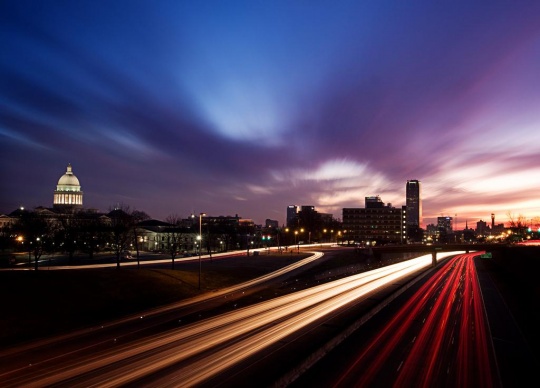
(200, 245)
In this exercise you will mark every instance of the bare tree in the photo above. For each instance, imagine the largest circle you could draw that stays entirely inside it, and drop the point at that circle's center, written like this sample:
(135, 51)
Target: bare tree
(518, 225)
(92, 231)
(68, 233)
(535, 223)
(518, 222)
(173, 236)
(33, 229)
(138, 216)
(121, 229)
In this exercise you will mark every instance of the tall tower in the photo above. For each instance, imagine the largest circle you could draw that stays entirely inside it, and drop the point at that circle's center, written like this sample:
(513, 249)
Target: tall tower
(413, 204)
(68, 192)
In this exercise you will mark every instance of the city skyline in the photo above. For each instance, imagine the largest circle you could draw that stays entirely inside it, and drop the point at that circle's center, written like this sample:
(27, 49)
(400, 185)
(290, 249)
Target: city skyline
(68, 193)
(248, 107)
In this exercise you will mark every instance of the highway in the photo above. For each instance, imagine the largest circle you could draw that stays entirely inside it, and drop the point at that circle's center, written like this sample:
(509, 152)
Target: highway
(133, 352)
(439, 337)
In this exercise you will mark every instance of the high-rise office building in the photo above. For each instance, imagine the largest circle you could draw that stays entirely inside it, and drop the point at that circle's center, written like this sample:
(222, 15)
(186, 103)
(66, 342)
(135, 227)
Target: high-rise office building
(292, 214)
(413, 203)
(445, 224)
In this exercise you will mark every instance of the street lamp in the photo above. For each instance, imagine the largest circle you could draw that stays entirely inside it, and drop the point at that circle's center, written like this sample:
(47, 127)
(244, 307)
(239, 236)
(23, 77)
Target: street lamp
(37, 251)
(200, 245)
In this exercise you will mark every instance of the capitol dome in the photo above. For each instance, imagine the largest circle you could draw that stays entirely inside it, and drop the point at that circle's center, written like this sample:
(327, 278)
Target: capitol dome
(68, 191)
(68, 181)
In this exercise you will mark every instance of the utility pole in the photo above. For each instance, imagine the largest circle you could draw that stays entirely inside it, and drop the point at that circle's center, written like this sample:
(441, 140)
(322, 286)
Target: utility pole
(200, 245)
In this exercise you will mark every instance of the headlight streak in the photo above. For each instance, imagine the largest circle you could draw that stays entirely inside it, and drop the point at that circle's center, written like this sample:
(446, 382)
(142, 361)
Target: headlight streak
(291, 312)
(450, 348)
(183, 303)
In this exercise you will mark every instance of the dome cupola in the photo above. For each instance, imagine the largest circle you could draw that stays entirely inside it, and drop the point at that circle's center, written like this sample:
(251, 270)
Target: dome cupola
(68, 181)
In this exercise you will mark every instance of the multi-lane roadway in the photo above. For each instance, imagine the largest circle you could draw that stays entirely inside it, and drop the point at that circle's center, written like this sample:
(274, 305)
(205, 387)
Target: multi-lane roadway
(438, 336)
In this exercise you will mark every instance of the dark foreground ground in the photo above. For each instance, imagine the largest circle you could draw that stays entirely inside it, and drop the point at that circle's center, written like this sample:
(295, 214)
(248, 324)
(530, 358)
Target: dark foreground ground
(36, 304)
(515, 272)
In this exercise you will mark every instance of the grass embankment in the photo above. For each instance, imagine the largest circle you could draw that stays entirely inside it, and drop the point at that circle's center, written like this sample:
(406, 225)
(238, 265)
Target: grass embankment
(41, 303)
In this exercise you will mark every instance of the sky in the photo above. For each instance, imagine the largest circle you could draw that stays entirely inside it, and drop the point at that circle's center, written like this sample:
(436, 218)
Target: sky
(246, 107)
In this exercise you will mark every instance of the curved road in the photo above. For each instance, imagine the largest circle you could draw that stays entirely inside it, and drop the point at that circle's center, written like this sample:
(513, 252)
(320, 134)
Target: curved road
(193, 353)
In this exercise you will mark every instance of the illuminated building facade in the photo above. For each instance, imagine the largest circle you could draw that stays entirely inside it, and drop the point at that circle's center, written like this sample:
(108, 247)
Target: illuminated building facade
(413, 203)
(68, 192)
(377, 222)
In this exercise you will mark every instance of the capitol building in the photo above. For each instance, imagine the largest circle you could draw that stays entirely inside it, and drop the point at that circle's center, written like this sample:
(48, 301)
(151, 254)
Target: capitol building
(68, 192)
(67, 199)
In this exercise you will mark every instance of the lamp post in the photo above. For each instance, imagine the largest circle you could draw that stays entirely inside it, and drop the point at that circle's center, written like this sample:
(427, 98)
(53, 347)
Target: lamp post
(29, 254)
(37, 252)
(21, 243)
(200, 245)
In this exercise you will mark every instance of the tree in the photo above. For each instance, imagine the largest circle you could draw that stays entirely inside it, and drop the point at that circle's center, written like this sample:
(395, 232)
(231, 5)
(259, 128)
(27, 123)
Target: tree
(85, 231)
(246, 233)
(121, 230)
(518, 225)
(138, 216)
(68, 233)
(173, 236)
(223, 232)
(535, 223)
(518, 222)
(33, 230)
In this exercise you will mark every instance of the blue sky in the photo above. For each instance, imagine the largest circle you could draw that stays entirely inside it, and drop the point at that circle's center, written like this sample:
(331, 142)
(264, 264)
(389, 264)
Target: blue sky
(246, 107)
